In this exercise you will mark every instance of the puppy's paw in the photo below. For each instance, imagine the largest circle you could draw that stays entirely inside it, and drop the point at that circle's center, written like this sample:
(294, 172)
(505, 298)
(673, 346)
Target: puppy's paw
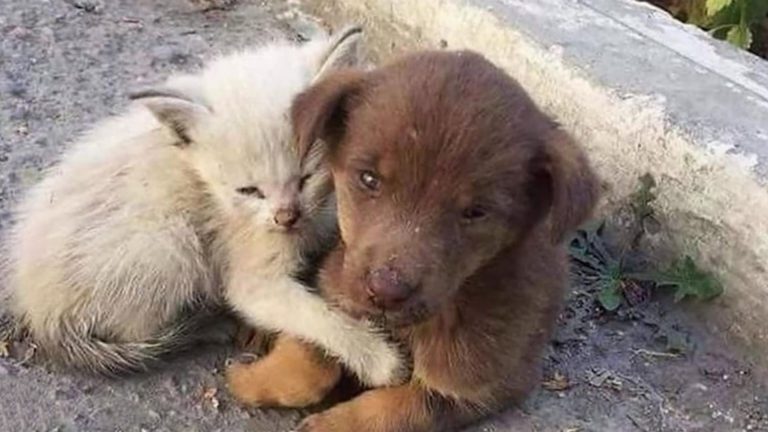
(313, 423)
(273, 383)
(244, 379)
(328, 421)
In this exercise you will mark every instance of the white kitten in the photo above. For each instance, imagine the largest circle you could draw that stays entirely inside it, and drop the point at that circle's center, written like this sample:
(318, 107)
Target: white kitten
(199, 200)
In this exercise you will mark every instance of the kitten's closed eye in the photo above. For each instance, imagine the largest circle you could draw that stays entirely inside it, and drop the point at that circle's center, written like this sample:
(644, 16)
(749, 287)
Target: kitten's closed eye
(303, 180)
(251, 191)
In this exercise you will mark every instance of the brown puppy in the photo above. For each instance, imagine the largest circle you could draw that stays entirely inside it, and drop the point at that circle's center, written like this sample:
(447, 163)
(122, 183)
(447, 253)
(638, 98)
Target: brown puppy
(454, 194)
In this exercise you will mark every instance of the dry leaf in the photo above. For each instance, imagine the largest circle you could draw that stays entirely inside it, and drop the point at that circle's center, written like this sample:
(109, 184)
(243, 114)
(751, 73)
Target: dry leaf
(28, 354)
(5, 348)
(209, 395)
(558, 382)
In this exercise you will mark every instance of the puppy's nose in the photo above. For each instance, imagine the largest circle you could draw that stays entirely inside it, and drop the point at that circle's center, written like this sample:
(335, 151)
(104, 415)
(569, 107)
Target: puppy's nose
(287, 217)
(387, 288)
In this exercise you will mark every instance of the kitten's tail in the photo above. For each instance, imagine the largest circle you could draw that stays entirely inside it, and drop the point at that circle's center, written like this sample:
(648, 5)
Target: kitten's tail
(75, 346)
(10, 328)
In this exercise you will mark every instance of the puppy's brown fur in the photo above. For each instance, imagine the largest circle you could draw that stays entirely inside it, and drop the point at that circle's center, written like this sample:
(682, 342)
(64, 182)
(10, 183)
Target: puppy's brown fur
(298, 375)
(475, 189)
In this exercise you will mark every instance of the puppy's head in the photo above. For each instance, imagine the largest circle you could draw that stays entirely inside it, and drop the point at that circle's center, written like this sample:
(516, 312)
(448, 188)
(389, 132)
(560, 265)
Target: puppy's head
(440, 161)
(232, 122)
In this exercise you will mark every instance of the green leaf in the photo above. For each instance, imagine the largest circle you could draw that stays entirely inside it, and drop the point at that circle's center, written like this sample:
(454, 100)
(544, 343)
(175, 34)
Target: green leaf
(610, 296)
(615, 271)
(580, 251)
(587, 247)
(688, 280)
(728, 16)
(643, 276)
(715, 6)
(740, 36)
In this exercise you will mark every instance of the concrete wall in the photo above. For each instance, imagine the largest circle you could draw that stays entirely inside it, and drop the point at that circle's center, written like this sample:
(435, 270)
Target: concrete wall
(643, 93)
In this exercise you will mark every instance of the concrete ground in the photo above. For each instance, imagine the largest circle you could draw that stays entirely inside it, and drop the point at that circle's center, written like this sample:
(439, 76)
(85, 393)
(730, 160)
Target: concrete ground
(66, 63)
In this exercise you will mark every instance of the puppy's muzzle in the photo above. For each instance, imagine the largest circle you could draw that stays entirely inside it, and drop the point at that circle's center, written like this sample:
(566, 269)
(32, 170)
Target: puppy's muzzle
(387, 288)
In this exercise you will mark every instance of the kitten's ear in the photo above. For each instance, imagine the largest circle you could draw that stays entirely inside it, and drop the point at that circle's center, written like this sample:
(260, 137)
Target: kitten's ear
(342, 50)
(173, 108)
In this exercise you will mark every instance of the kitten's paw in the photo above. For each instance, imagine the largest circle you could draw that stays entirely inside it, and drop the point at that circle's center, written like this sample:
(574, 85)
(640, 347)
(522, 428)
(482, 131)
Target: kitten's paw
(386, 366)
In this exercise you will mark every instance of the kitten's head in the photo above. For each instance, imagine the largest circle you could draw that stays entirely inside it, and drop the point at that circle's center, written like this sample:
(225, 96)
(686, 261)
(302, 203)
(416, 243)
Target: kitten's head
(232, 123)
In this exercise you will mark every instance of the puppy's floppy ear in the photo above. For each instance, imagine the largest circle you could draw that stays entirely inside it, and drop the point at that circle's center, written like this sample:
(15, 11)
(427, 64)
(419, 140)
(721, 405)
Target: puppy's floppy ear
(341, 51)
(320, 112)
(174, 109)
(565, 183)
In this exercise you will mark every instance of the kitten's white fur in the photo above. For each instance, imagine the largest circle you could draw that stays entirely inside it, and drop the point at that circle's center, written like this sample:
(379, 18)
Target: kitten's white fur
(142, 220)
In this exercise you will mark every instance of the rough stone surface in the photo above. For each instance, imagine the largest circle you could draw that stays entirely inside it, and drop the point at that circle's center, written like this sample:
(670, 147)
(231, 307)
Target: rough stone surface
(65, 64)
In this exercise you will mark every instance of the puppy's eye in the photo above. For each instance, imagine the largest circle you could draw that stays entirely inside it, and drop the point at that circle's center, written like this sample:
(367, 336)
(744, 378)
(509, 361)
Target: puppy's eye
(474, 214)
(251, 191)
(370, 181)
(303, 181)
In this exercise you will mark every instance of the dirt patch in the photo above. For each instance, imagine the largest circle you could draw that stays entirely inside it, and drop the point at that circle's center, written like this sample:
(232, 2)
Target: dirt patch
(648, 367)
(65, 64)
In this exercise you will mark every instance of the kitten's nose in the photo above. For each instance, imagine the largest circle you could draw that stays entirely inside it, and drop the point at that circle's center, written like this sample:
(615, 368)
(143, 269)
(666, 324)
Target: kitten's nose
(387, 288)
(287, 217)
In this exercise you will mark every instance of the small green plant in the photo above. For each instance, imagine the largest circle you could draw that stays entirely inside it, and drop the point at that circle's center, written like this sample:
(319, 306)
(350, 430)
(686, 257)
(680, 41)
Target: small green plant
(731, 20)
(611, 295)
(597, 266)
(686, 279)
(734, 20)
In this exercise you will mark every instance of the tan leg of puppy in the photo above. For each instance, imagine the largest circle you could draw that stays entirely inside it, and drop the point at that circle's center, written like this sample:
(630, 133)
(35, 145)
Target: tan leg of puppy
(295, 375)
(292, 375)
(404, 408)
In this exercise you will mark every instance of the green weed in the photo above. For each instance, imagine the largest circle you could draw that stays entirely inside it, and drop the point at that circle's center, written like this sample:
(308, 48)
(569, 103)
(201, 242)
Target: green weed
(731, 20)
(616, 284)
